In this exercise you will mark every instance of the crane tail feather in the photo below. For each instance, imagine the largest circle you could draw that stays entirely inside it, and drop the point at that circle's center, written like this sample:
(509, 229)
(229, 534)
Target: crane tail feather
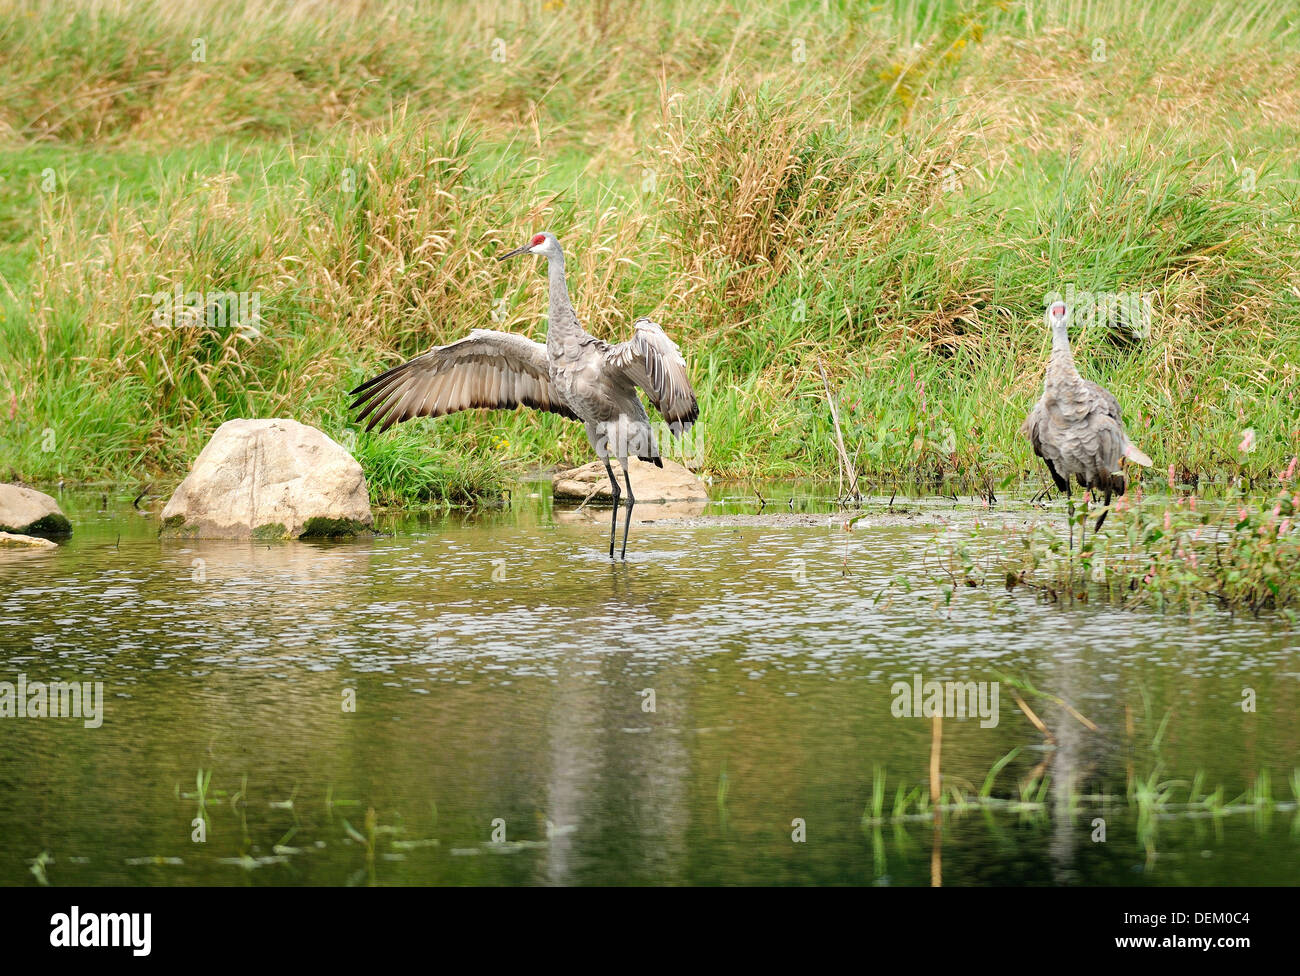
(1135, 454)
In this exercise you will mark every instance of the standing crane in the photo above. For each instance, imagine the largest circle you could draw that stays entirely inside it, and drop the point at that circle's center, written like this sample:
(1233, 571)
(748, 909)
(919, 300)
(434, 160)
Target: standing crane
(1075, 427)
(573, 374)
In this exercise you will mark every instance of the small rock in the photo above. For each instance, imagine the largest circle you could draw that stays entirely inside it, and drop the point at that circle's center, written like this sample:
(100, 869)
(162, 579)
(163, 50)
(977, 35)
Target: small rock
(30, 512)
(16, 540)
(671, 483)
(270, 479)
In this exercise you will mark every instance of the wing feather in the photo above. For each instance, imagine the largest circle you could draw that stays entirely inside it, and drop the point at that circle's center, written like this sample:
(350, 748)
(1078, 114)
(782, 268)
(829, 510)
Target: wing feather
(487, 369)
(1109, 404)
(653, 362)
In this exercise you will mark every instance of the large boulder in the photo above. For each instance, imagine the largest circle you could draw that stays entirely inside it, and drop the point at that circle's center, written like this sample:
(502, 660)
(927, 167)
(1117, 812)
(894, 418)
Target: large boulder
(270, 479)
(671, 483)
(25, 511)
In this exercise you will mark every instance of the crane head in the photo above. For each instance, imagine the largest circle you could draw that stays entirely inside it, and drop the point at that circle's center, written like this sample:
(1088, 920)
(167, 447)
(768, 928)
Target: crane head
(1058, 314)
(543, 243)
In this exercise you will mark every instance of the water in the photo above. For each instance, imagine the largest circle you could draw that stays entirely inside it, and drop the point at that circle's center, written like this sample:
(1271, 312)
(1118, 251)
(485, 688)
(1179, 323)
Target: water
(503, 670)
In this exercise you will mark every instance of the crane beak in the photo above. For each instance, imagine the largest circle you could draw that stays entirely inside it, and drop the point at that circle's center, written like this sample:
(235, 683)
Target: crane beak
(515, 252)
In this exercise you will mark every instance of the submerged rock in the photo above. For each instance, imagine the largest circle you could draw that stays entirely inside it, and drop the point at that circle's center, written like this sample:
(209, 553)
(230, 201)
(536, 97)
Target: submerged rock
(270, 479)
(671, 483)
(26, 511)
(13, 539)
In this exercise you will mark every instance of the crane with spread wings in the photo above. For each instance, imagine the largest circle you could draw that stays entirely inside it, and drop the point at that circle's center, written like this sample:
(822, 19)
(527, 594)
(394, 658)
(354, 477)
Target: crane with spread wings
(573, 374)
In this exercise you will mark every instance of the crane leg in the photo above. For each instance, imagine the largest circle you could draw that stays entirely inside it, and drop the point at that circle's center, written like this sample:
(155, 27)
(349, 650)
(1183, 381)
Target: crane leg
(1097, 528)
(613, 519)
(1069, 515)
(631, 500)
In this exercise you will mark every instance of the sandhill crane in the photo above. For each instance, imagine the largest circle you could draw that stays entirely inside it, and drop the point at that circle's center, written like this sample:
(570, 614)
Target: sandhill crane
(573, 374)
(1076, 427)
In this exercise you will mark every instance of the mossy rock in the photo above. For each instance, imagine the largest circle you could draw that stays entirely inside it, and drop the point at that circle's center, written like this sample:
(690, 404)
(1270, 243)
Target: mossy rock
(333, 528)
(26, 511)
(271, 530)
(176, 527)
(54, 524)
(267, 480)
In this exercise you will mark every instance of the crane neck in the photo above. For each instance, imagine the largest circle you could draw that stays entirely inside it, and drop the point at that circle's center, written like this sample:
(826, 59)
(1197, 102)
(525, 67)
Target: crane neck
(1061, 364)
(1060, 339)
(562, 318)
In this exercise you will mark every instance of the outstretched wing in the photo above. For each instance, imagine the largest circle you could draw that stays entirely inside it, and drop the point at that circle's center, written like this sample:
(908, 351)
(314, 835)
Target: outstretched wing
(653, 362)
(486, 369)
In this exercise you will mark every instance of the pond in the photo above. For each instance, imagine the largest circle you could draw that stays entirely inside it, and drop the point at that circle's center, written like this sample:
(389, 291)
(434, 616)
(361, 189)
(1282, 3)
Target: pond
(483, 698)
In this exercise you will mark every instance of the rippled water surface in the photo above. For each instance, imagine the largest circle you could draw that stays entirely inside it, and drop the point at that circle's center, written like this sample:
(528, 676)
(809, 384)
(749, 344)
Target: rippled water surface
(526, 712)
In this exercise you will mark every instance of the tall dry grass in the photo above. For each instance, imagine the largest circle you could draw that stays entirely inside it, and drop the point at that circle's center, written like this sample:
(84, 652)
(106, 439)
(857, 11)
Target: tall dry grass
(890, 191)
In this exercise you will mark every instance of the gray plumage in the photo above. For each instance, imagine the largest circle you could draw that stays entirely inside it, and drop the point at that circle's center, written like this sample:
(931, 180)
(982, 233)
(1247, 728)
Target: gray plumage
(574, 374)
(1076, 427)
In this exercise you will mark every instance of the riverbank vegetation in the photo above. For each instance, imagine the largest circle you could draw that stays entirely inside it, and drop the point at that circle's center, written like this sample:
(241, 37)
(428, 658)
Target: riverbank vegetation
(1235, 553)
(887, 190)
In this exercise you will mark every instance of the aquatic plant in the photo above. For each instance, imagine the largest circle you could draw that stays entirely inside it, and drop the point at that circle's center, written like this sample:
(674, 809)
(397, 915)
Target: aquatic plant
(38, 865)
(1238, 553)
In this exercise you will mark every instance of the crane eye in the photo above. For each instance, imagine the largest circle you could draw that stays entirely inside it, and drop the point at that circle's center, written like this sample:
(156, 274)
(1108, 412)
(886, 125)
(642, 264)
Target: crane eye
(539, 239)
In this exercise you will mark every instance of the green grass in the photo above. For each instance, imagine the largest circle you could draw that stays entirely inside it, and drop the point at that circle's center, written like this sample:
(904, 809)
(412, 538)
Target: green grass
(413, 466)
(895, 205)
